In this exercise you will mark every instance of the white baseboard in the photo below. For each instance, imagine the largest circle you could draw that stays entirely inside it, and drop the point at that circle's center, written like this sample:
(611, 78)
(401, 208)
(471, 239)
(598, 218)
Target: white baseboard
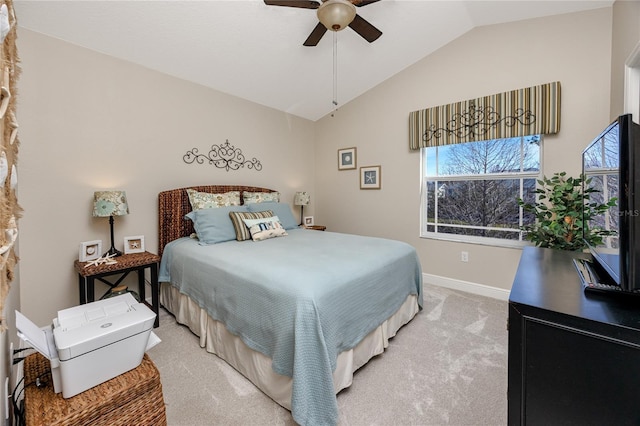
(469, 287)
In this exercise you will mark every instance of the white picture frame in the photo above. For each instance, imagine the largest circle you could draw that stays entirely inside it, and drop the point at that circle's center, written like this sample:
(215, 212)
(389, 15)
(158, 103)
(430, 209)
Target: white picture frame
(90, 250)
(308, 221)
(134, 244)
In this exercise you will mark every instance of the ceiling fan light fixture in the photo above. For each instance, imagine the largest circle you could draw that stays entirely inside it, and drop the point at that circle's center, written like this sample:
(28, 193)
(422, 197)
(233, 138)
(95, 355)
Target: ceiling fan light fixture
(336, 15)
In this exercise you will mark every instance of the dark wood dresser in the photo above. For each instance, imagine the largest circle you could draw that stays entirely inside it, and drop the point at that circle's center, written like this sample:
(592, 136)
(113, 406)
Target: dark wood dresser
(574, 358)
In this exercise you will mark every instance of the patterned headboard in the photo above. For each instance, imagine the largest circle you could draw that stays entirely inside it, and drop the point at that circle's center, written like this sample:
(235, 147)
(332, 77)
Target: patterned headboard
(174, 204)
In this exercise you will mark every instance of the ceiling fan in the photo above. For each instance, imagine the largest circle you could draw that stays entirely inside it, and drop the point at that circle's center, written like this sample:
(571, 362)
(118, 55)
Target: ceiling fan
(334, 15)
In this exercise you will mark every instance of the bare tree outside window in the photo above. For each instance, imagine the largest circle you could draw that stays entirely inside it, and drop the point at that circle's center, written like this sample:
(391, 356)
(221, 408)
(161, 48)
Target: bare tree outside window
(471, 189)
(601, 167)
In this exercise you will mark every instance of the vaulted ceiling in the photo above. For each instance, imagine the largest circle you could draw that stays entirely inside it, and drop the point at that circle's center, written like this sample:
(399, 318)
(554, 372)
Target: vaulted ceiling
(254, 51)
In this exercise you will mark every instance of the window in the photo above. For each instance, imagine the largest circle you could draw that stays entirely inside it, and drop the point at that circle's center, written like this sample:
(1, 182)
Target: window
(600, 164)
(470, 190)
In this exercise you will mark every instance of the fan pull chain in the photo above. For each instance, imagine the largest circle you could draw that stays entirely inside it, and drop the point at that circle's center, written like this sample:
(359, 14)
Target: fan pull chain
(335, 72)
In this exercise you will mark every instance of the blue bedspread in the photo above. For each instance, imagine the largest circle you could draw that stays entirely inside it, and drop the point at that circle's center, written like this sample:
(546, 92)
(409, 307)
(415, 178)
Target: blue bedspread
(299, 299)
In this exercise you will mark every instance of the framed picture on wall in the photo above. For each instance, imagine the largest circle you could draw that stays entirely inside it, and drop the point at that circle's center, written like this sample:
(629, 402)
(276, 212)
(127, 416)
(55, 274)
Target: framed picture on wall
(347, 158)
(370, 177)
(90, 250)
(134, 244)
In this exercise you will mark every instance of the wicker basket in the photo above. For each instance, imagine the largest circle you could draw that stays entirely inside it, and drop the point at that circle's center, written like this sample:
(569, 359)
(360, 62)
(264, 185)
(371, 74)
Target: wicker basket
(132, 398)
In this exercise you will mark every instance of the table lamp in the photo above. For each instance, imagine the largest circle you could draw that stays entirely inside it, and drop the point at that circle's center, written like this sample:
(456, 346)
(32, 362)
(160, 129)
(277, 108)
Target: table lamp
(301, 199)
(110, 203)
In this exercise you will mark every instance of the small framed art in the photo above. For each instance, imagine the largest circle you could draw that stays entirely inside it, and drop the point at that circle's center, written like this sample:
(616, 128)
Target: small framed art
(370, 177)
(90, 250)
(347, 158)
(308, 221)
(134, 244)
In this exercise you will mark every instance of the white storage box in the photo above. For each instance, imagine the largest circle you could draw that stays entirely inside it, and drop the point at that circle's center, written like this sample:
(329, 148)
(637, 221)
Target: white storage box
(92, 343)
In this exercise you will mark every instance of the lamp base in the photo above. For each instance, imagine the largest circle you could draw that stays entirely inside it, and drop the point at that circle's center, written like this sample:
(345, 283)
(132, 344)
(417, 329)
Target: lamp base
(113, 252)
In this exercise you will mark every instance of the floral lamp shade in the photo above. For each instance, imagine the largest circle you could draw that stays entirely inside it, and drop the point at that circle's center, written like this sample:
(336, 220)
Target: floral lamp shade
(301, 199)
(110, 203)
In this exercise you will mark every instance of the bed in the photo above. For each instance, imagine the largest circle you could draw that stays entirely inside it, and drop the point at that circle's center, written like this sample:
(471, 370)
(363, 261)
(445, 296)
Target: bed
(296, 314)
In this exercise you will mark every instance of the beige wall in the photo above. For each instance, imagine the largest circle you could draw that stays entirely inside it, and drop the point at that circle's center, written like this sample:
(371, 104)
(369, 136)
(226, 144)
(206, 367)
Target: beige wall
(90, 122)
(574, 49)
(625, 38)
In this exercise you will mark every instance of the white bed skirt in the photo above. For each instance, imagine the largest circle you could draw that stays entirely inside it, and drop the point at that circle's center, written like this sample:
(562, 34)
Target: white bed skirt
(256, 366)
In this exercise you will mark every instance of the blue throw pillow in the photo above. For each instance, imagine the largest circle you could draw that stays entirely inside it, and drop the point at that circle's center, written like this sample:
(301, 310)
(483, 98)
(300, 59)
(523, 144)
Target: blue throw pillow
(214, 225)
(282, 210)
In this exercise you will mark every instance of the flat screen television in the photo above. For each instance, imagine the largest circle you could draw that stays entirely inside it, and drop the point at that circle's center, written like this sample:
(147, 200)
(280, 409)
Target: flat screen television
(612, 163)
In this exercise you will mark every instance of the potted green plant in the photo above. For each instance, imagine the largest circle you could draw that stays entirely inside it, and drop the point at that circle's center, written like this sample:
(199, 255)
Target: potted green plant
(563, 211)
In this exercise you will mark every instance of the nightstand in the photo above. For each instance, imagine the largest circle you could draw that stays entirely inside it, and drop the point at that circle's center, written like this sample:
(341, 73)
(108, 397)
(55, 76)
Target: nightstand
(126, 263)
(316, 227)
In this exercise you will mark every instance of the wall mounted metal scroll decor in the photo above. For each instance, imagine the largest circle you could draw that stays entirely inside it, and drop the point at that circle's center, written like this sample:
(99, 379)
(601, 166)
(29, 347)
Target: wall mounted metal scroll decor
(225, 156)
(478, 122)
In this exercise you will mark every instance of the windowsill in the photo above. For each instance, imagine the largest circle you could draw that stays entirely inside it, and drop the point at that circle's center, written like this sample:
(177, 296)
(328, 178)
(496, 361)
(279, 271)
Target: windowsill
(492, 242)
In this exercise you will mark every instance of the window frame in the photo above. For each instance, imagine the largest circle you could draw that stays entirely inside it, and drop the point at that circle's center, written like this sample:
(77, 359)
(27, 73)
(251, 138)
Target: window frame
(491, 241)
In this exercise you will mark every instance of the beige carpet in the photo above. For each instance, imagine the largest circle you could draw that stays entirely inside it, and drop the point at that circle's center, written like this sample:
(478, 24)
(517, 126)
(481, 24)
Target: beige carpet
(447, 367)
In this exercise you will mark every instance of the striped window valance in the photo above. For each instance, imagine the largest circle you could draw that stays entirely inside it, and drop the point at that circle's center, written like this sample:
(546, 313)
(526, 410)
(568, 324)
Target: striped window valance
(529, 111)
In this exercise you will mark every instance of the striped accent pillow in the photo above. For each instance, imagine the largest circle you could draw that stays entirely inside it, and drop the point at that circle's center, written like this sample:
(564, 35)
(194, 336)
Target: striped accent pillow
(237, 218)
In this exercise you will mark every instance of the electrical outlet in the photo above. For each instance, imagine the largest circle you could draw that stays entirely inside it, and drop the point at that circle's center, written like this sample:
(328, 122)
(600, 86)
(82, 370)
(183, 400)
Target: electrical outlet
(464, 256)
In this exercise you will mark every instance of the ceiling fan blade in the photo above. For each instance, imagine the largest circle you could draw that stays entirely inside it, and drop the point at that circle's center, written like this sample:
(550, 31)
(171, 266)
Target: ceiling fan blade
(361, 3)
(303, 4)
(365, 29)
(315, 35)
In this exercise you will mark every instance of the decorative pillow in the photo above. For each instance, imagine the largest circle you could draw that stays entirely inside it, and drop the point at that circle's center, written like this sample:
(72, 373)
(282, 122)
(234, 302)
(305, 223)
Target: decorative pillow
(260, 197)
(237, 218)
(265, 230)
(214, 225)
(250, 222)
(282, 210)
(206, 200)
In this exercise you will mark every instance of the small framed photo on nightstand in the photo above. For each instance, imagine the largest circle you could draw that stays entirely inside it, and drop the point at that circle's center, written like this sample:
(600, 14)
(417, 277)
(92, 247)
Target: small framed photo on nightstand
(90, 250)
(134, 244)
(308, 221)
